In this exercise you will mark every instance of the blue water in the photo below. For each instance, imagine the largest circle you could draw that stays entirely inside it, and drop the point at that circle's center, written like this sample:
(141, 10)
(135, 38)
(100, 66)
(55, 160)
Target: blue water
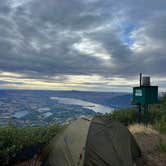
(92, 106)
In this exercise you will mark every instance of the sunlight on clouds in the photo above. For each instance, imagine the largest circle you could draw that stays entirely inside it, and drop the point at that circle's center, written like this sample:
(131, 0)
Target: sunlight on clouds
(84, 78)
(73, 82)
(16, 81)
(104, 81)
(119, 81)
(92, 48)
(9, 74)
(69, 82)
(34, 86)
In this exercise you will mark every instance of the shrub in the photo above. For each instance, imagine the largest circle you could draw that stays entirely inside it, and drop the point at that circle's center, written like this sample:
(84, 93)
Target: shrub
(127, 116)
(14, 139)
(161, 146)
(160, 126)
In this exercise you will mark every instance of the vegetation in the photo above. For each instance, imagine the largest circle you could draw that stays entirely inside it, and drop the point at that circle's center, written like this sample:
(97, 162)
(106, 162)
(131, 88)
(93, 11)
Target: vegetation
(161, 146)
(14, 139)
(156, 116)
(125, 116)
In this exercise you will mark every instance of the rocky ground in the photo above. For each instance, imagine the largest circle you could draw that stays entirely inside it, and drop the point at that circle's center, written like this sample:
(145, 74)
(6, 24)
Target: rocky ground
(150, 142)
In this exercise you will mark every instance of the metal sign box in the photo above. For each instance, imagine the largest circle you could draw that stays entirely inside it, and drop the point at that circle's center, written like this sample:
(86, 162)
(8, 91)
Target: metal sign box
(145, 95)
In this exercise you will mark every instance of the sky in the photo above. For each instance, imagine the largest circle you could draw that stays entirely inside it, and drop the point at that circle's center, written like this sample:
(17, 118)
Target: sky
(90, 45)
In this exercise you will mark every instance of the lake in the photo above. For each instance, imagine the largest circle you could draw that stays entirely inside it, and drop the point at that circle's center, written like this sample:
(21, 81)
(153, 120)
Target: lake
(85, 104)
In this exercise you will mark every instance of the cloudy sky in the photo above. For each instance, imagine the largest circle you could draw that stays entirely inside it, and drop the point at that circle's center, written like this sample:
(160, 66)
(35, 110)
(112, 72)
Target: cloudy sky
(97, 45)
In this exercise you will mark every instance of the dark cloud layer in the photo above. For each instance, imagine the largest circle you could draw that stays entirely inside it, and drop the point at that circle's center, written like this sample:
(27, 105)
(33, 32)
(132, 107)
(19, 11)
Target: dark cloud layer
(37, 38)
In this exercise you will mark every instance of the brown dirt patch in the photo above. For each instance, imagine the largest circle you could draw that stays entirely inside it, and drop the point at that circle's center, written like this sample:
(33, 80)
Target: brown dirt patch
(148, 139)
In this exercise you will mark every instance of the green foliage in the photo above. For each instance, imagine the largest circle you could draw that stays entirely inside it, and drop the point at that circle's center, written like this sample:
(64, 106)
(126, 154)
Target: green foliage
(13, 139)
(156, 115)
(161, 146)
(126, 117)
(160, 126)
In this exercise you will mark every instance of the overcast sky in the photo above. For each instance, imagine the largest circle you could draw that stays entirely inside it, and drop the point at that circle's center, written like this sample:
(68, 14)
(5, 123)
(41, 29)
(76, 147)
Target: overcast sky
(97, 45)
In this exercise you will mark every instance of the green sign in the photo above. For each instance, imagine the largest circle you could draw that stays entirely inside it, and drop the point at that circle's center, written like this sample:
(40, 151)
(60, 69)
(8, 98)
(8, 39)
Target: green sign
(145, 95)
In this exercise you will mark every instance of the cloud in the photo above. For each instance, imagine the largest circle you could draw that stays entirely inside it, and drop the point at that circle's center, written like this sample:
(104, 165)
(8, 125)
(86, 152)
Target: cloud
(46, 40)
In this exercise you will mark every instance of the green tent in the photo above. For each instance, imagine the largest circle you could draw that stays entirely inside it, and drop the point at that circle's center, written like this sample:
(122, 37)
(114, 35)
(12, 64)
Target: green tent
(96, 142)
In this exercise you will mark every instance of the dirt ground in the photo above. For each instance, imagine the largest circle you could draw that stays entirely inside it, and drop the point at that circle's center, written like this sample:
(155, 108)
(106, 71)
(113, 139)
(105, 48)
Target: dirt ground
(148, 139)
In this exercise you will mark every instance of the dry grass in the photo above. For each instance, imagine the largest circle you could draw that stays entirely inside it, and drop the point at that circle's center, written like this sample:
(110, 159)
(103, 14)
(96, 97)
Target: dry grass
(148, 139)
(140, 128)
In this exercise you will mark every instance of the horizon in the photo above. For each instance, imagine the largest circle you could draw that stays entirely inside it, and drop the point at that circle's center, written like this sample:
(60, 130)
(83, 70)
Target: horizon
(66, 90)
(86, 45)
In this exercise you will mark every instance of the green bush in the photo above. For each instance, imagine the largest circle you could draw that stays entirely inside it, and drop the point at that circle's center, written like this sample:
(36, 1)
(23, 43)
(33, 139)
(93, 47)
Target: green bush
(155, 116)
(161, 146)
(14, 139)
(126, 117)
(160, 126)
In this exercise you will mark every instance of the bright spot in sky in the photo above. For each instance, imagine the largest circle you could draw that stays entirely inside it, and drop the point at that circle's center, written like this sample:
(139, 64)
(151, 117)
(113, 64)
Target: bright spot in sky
(92, 48)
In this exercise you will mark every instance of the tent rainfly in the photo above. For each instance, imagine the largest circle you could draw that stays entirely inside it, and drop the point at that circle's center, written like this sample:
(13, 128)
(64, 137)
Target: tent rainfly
(96, 142)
